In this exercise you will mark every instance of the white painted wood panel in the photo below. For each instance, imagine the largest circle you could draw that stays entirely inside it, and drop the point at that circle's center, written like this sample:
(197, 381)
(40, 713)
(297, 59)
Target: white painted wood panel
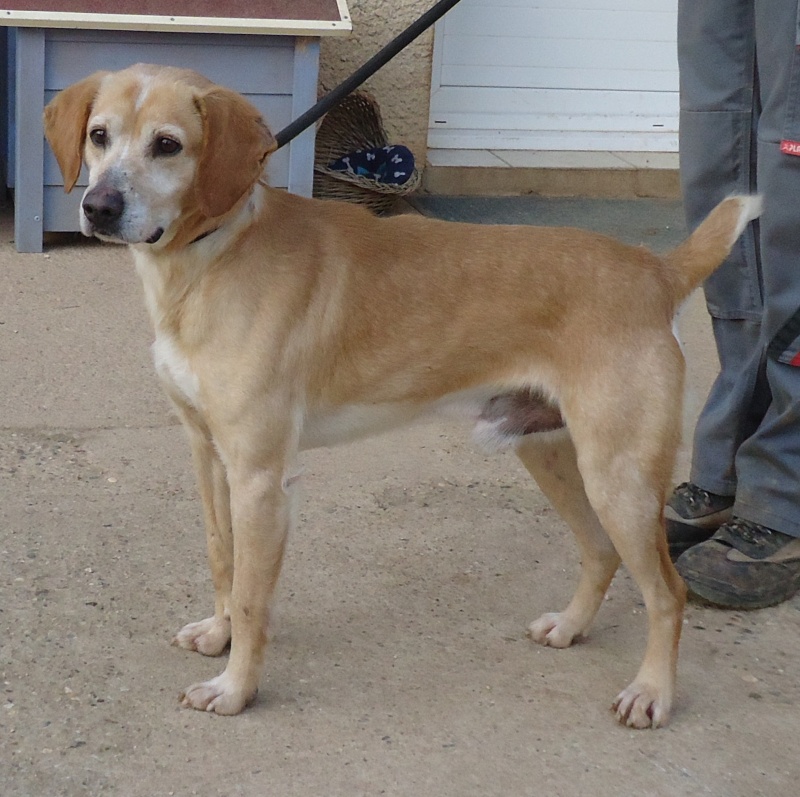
(556, 74)
(493, 19)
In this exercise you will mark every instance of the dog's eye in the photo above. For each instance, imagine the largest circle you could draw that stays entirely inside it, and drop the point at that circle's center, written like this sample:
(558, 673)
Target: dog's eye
(99, 137)
(166, 146)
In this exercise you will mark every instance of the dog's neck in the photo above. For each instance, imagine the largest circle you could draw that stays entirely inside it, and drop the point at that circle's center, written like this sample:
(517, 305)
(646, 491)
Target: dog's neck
(170, 271)
(194, 227)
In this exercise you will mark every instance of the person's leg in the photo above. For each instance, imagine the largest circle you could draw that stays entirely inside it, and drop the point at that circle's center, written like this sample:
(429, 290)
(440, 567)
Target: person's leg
(716, 48)
(755, 560)
(768, 462)
(719, 111)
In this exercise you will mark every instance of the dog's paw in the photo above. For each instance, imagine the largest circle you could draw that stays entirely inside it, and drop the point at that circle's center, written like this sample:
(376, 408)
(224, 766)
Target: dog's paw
(219, 695)
(209, 637)
(554, 630)
(641, 706)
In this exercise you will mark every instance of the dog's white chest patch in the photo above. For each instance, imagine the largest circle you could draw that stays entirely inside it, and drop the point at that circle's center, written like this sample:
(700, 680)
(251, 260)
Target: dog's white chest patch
(174, 369)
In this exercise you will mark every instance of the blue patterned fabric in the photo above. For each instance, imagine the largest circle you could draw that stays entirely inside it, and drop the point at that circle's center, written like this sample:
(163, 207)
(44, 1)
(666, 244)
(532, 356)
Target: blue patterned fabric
(392, 165)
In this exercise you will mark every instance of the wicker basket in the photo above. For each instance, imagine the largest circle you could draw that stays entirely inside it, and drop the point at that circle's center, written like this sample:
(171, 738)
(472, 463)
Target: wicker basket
(352, 125)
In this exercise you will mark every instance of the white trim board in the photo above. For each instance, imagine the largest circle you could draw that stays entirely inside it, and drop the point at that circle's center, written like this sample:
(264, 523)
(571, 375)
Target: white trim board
(145, 22)
(561, 160)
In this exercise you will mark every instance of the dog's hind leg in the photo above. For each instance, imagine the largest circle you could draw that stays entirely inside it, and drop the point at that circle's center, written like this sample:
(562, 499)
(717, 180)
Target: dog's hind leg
(211, 635)
(625, 455)
(550, 458)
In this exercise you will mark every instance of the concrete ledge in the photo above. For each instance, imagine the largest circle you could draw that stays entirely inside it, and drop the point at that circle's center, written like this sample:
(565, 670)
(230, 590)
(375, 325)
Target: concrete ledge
(619, 175)
(601, 183)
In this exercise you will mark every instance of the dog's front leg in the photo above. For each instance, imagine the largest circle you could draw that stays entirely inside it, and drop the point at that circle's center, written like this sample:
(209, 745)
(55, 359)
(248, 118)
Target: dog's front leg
(551, 460)
(260, 514)
(211, 635)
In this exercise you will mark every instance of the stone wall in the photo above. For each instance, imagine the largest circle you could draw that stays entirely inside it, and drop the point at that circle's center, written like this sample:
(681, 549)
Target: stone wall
(402, 87)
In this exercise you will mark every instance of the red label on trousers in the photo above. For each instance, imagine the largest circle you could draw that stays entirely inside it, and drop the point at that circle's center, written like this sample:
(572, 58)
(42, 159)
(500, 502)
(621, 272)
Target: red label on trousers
(790, 147)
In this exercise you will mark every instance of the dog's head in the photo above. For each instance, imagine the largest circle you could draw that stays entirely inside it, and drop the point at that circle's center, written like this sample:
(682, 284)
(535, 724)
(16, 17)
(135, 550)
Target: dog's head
(163, 146)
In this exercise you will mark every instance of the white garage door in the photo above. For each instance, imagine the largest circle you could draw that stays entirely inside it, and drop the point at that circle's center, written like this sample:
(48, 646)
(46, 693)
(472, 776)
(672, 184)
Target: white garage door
(556, 75)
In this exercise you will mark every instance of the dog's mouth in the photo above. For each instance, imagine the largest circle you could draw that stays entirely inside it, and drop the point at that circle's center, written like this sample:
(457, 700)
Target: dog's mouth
(155, 236)
(112, 236)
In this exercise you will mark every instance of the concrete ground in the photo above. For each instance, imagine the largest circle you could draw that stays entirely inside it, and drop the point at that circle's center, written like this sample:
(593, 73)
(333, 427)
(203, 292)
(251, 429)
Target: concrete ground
(400, 664)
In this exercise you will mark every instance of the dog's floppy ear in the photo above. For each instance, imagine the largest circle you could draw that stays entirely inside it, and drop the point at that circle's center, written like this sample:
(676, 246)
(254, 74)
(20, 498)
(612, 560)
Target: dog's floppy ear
(236, 143)
(65, 119)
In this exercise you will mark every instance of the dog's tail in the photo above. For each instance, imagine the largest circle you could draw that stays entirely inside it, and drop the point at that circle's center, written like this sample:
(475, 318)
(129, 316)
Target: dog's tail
(705, 249)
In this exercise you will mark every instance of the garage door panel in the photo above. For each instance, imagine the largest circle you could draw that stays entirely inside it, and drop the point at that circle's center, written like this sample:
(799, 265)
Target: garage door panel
(624, 5)
(533, 53)
(548, 140)
(515, 68)
(562, 23)
(583, 79)
(509, 101)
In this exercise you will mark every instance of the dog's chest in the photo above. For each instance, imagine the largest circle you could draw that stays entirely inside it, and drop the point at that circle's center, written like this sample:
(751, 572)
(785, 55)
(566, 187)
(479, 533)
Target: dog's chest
(174, 369)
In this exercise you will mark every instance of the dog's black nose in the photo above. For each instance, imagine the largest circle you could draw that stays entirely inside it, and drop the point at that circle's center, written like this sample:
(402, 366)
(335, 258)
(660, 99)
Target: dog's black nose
(103, 206)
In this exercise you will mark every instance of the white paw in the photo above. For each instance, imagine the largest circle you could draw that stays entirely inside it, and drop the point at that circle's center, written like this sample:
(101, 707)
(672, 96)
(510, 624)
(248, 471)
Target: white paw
(209, 637)
(554, 630)
(642, 706)
(219, 695)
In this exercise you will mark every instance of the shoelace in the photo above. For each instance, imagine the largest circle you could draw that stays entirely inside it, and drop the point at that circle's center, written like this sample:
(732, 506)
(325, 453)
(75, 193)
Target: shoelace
(750, 532)
(693, 494)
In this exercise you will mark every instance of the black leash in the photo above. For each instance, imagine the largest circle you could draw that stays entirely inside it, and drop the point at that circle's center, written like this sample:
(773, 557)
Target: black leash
(378, 60)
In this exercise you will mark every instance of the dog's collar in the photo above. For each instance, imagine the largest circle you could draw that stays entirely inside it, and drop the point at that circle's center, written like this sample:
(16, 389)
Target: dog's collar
(215, 229)
(203, 235)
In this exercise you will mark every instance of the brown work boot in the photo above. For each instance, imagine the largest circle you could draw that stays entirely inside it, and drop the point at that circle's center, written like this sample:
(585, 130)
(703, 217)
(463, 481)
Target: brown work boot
(693, 515)
(743, 566)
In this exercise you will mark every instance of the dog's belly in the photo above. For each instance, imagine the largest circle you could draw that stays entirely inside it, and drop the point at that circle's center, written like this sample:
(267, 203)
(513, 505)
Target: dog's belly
(501, 419)
(354, 421)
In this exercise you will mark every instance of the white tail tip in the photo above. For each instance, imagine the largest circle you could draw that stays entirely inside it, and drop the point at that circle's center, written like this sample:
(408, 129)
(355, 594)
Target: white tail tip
(750, 207)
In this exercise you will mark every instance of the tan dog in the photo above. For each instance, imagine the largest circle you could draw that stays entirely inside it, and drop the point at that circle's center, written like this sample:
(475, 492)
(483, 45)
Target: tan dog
(284, 323)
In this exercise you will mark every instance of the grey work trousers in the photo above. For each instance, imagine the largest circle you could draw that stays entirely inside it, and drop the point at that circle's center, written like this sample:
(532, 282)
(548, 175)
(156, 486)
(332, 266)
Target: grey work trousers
(739, 132)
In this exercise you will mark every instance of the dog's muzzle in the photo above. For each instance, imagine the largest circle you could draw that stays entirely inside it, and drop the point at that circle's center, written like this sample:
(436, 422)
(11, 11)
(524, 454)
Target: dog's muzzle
(103, 207)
